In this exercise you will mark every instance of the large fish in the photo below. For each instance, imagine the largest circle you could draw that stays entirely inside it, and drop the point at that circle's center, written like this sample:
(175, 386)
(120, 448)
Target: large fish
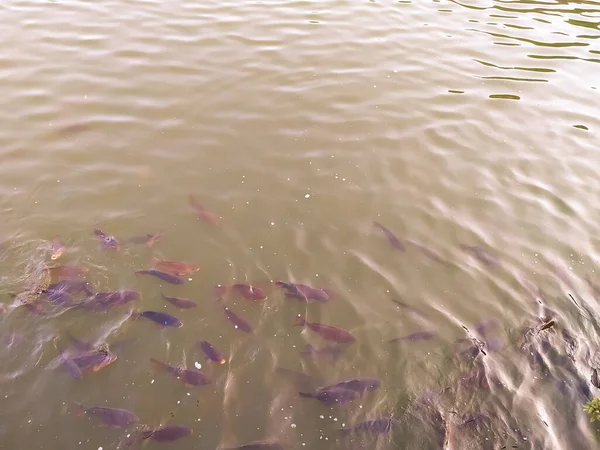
(189, 377)
(169, 278)
(211, 352)
(160, 318)
(113, 417)
(177, 268)
(103, 301)
(238, 322)
(107, 240)
(328, 332)
(359, 385)
(304, 292)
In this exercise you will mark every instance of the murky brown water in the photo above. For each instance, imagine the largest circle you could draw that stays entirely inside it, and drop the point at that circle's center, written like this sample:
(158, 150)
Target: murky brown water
(300, 124)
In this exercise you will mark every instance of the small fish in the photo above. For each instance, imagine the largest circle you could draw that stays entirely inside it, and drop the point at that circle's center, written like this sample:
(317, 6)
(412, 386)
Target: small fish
(177, 268)
(167, 434)
(202, 213)
(106, 240)
(189, 377)
(595, 379)
(359, 385)
(430, 253)
(259, 445)
(304, 292)
(113, 417)
(62, 272)
(173, 279)
(328, 332)
(412, 309)
(211, 352)
(329, 351)
(392, 239)
(149, 240)
(376, 426)
(237, 321)
(418, 336)
(182, 303)
(334, 395)
(160, 318)
(57, 249)
(482, 255)
(247, 291)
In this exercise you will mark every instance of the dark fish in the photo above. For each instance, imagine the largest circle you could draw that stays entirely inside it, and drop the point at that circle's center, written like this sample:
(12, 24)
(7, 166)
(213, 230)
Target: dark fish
(59, 297)
(418, 336)
(392, 239)
(176, 268)
(57, 249)
(103, 301)
(547, 325)
(430, 253)
(412, 309)
(67, 271)
(482, 255)
(259, 445)
(167, 434)
(211, 352)
(304, 292)
(334, 395)
(376, 426)
(330, 351)
(149, 240)
(189, 377)
(72, 286)
(203, 213)
(237, 321)
(247, 291)
(173, 279)
(183, 303)
(595, 378)
(120, 418)
(160, 318)
(93, 360)
(106, 240)
(359, 385)
(328, 332)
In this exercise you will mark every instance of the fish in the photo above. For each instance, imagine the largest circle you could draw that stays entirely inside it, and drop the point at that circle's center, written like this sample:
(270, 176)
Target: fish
(78, 344)
(72, 286)
(160, 318)
(237, 321)
(173, 267)
(62, 272)
(330, 351)
(247, 291)
(59, 297)
(182, 303)
(304, 292)
(375, 426)
(211, 352)
(418, 336)
(103, 301)
(149, 239)
(430, 253)
(203, 213)
(479, 253)
(359, 385)
(93, 360)
(547, 325)
(107, 240)
(189, 377)
(412, 309)
(334, 395)
(392, 239)
(173, 279)
(113, 417)
(595, 378)
(166, 434)
(328, 332)
(260, 445)
(57, 249)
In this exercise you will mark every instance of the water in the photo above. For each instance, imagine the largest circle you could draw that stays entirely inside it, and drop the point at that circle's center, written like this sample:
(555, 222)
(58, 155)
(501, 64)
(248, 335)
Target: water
(299, 124)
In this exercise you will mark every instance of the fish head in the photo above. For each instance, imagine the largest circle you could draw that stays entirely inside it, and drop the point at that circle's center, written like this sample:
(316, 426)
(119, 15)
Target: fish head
(57, 253)
(109, 242)
(108, 358)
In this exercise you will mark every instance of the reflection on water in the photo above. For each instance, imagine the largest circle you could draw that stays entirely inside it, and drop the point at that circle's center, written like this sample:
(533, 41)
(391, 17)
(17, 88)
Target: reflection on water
(302, 239)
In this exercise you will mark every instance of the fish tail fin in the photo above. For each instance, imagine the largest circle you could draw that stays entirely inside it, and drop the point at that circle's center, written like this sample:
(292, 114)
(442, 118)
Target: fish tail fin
(135, 314)
(158, 365)
(79, 409)
(306, 394)
(299, 322)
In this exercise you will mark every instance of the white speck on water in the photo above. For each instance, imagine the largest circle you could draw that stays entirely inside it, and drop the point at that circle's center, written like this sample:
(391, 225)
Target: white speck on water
(29, 421)
(189, 279)
(343, 425)
(321, 416)
(188, 394)
(261, 246)
(197, 365)
(236, 327)
(58, 181)
(272, 223)
(99, 448)
(129, 435)
(303, 444)
(152, 382)
(178, 402)
(307, 196)
(293, 425)
(335, 419)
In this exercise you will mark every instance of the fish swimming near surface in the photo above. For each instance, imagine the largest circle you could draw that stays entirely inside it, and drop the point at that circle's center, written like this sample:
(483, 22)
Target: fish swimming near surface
(149, 239)
(159, 318)
(359, 385)
(328, 332)
(169, 278)
(177, 268)
(481, 254)
(62, 272)
(57, 249)
(247, 291)
(391, 237)
(166, 434)
(106, 240)
(418, 336)
(113, 417)
(72, 286)
(411, 308)
(430, 253)
(189, 377)
(93, 361)
(333, 395)
(238, 322)
(211, 352)
(328, 351)
(305, 293)
(103, 301)
(203, 213)
(376, 426)
(182, 303)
